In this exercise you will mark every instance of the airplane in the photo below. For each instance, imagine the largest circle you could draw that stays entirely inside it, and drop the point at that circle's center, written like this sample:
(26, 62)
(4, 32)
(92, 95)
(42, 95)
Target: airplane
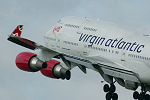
(117, 54)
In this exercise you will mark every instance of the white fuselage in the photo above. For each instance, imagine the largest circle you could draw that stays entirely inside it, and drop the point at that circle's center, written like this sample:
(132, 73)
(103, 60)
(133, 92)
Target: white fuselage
(87, 38)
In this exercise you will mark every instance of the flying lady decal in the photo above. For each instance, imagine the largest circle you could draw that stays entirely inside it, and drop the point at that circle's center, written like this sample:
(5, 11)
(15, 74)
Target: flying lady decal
(56, 29)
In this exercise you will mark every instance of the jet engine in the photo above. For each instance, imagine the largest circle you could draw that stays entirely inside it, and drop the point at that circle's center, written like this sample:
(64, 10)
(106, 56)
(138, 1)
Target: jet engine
(28, 61)
(55, 70)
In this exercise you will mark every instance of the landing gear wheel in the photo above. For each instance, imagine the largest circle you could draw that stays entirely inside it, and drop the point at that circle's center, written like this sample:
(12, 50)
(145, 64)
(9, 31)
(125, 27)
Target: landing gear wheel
(106, 88)
(110, 90)
(108, 96)
(135, 95)
(147, 97)
(115, 96)
(141, 96)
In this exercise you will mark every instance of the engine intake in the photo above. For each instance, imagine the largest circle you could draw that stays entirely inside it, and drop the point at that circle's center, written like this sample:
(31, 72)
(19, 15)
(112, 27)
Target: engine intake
(55, 70)
(28, 61)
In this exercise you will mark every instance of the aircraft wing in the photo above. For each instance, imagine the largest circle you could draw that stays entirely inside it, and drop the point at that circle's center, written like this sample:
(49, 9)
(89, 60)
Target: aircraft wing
(16, 38)
(105, 66)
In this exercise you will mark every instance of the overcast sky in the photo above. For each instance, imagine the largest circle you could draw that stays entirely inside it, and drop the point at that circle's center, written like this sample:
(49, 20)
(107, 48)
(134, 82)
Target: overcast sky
(38, 16)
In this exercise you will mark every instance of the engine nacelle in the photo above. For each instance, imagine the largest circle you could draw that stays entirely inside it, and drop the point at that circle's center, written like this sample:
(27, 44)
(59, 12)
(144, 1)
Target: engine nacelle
(55, 70)
(28, 61)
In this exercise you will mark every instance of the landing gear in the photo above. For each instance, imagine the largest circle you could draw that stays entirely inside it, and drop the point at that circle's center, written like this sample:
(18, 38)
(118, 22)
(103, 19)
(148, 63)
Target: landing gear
(135, 95)
(110, 92)
(142, 95)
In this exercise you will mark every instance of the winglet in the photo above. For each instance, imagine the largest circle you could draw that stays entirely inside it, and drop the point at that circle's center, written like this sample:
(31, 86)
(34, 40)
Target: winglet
(15, 37)
(17, 31)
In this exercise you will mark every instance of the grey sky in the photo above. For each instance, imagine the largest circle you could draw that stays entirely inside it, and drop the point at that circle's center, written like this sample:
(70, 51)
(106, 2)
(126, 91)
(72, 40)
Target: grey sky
(38, 16)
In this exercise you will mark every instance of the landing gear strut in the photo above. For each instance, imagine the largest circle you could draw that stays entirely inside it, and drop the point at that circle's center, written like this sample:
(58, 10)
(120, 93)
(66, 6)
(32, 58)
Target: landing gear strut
(142, 95)
(110, 92)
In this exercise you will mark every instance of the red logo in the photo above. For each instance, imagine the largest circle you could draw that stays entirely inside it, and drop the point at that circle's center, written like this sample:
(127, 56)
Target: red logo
(56, 29)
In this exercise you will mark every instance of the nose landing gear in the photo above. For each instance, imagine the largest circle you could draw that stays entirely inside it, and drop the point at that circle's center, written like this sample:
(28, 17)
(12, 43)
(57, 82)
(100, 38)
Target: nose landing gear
(110, 92)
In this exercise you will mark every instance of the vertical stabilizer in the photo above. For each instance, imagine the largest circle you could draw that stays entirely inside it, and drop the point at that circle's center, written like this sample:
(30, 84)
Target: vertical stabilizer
(17, 31)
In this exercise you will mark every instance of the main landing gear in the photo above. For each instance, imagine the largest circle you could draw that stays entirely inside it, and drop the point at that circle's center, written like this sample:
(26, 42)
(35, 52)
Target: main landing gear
(142, 95)
(111, 95)
(110, 92)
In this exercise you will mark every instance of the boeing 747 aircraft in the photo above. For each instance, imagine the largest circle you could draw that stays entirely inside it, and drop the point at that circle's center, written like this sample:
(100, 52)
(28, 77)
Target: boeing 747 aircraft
(117, 54)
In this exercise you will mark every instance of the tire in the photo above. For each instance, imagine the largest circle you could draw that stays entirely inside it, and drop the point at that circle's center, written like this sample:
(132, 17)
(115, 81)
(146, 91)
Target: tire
(135, 95)
(108, 96)
(115, 96)
(147, 97)
(141, 97)
(106, 88)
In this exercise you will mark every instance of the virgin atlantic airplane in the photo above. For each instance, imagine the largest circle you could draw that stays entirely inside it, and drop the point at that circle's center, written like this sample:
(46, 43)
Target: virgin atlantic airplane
(117, 54)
